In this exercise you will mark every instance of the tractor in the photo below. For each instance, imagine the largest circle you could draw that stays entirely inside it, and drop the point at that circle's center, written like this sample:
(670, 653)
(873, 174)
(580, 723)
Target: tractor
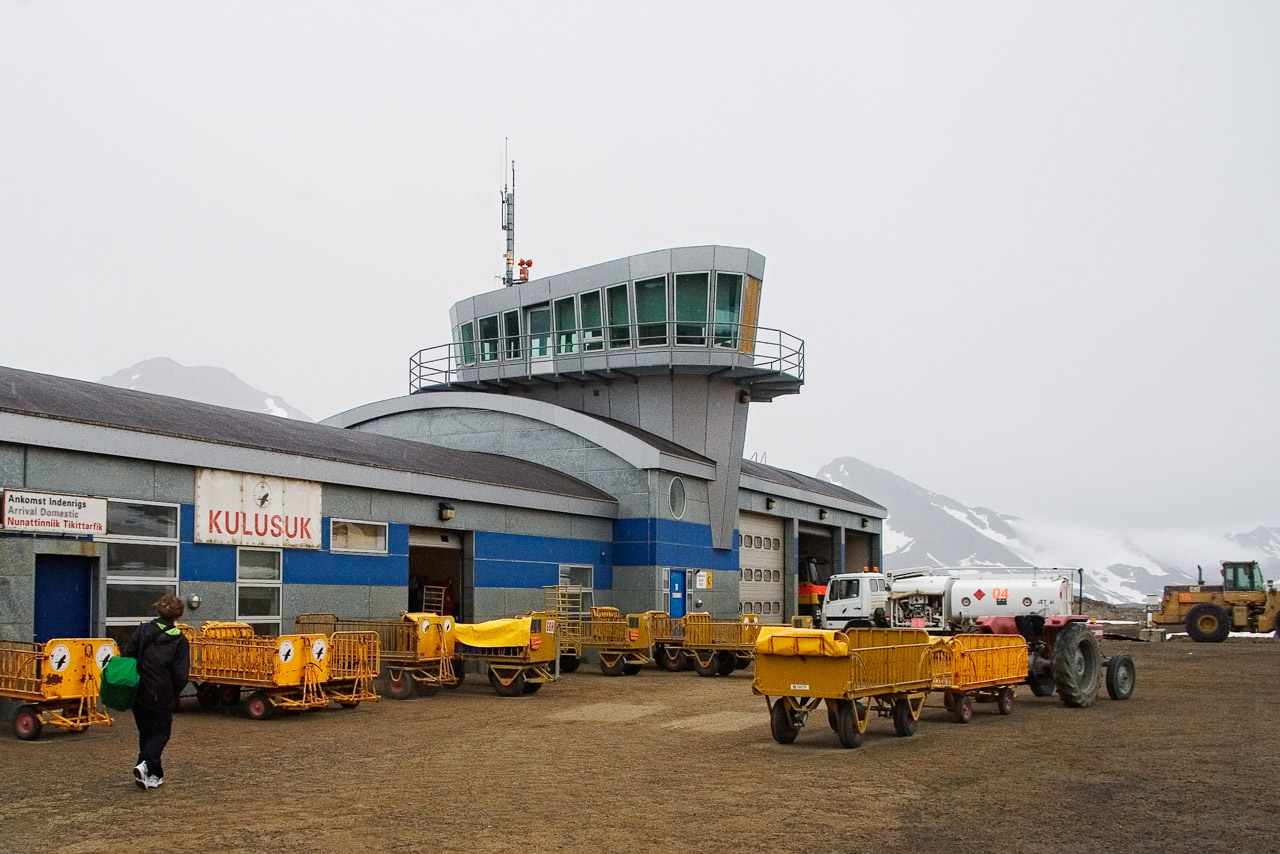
(1064, 655)
(1244, 602)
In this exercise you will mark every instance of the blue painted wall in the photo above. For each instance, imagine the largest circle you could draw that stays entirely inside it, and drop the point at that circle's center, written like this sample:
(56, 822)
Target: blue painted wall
(516, 560)
(663, 542)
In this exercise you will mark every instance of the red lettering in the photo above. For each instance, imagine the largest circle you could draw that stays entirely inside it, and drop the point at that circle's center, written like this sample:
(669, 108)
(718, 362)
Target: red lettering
(261, 530)
(213, 521)
(233, 517)
(275, 526)
(304, 530)
(290, 527)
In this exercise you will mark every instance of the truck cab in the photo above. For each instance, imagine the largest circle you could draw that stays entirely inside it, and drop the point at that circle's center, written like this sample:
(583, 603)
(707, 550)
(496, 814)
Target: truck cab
(856, 600)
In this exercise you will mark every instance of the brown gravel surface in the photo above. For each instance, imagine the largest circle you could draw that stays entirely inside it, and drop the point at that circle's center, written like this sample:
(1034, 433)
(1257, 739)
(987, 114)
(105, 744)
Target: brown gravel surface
(673, 762)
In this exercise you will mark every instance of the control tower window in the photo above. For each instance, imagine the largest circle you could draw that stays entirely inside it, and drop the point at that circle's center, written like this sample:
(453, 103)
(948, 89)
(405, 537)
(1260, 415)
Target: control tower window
(691, 308)
(728, 309)
(566, 326)
(467, 339)
(592, 321)
(651, 311)
(539, 332)
(619, 316)
(488, 327)
(511, 333)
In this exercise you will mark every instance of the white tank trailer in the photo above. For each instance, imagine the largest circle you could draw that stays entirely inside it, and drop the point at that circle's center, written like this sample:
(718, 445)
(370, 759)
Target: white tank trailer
(953, 602)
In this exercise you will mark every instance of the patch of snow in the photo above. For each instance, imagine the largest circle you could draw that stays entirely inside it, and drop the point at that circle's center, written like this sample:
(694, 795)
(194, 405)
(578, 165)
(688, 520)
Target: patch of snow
(275, 410)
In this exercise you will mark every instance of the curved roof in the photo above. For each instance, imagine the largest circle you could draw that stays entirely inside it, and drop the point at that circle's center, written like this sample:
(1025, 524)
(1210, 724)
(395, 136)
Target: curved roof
(782, 477)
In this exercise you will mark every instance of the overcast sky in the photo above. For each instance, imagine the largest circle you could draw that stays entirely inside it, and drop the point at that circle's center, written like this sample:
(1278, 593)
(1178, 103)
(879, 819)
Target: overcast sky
(1032, 248)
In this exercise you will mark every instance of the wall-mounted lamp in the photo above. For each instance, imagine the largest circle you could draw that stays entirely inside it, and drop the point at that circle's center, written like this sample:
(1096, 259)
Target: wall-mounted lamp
(866, 523)
(744, 396)
(822, 513)
(769, 504)
(193, 601)
(446, 511)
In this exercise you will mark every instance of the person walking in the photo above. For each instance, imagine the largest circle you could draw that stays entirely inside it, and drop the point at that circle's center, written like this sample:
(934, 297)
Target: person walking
(164, 663)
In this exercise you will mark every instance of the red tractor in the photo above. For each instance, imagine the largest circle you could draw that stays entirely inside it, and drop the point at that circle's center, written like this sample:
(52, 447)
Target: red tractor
(1064, 655)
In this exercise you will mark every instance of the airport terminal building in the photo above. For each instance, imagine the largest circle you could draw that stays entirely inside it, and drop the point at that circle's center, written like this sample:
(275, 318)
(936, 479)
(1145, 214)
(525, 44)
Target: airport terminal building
(584, 428)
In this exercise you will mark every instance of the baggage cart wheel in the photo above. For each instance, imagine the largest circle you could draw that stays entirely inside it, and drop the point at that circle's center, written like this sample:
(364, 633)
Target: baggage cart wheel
(348, 704)
(425, 689)
(459, 673)
(27, 723)
(208, 695)
(780, 724)
(259, 706)
(399, 685)
(671, 659)
(230, 695)
(1004, 700)
(631, 668)
(833, 718)
(846, 727)
(904, 724)
(531, 687)
(515, 689)
(569, 663)
(1121, 676)
(949, 701)
(709, 669)
(615, 669)
(726, 663)
(744, 660)
(961, 707)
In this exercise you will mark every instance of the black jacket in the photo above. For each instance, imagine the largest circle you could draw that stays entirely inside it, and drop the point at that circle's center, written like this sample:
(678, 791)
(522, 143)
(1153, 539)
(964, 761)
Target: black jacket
(164, 662)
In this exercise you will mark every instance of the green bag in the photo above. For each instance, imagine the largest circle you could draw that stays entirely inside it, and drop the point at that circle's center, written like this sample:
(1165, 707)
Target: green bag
(119, 683)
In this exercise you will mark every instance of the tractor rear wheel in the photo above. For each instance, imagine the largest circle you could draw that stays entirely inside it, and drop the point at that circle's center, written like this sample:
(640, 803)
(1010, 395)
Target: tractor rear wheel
(1077, 665)
(847, 726)
(1121, 676)
(780, 724)
(1208, 623)
(963, 708)
(904, 723)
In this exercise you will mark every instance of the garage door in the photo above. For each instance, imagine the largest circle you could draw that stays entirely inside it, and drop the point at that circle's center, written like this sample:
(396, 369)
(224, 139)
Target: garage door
(761, 566)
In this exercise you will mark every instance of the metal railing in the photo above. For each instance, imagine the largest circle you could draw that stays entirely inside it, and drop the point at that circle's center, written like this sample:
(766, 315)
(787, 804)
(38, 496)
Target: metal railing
(768, 349)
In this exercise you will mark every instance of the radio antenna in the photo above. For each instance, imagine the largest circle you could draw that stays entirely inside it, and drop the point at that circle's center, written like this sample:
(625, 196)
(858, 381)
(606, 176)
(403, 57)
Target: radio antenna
(509, 217)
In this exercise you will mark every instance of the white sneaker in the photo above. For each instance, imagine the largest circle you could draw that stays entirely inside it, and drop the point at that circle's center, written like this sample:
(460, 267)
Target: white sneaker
(140, 776)
(154, 782)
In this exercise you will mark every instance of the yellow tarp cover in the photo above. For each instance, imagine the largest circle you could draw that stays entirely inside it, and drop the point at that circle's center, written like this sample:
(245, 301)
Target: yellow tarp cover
(784, 640)
(511, 632)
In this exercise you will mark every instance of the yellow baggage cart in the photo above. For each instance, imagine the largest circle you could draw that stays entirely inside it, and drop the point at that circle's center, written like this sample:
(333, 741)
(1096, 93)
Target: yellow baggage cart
(57, 683)
(982, 668)
(667, 634)
(416, 650)
(622, 642)
(517, 652)
(286, 672)
(852, 672)
(719, 647)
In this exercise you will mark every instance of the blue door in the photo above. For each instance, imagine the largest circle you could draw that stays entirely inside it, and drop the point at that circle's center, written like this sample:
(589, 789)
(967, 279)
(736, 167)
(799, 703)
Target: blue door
(677, 593)
(62, 597)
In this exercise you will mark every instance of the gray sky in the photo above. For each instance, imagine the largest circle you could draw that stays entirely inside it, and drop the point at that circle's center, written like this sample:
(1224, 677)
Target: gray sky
(1032, 248)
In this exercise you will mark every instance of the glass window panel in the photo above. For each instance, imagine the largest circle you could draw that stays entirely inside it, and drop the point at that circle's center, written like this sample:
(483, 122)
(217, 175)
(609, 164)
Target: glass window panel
(566, 326)
(271, 628)
(691, 308)
(728, 312)
(619, 316)
(258, 601)
(651, 311)
(135, 600)
(127, 519)
(258, 565)
(511, 331)
(142, 560)
(592, 321)
(488, 338)
(540, 332)
(358, 536)
(468, 337)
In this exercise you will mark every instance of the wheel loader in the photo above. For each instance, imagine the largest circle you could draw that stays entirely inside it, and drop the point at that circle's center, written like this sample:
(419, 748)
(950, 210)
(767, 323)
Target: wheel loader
(1244, 602)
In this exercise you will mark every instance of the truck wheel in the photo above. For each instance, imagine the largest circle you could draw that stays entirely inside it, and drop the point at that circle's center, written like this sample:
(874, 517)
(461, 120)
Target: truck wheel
(846, 727)
(27, 723)
(1004, 701)
(1208, 624)
(1077, 665)
(1121, 676)
(780, 723)
(903, 723)
(962, 708)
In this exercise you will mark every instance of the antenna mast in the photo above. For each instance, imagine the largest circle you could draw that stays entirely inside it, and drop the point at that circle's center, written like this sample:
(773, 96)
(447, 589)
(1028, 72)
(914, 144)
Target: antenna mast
(509, 219)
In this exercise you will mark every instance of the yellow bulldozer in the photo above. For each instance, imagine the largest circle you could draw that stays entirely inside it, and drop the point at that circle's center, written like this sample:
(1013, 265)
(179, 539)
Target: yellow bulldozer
(1244, 602)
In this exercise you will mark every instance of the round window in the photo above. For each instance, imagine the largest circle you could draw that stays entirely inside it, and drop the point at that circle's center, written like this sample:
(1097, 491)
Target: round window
(676, 497)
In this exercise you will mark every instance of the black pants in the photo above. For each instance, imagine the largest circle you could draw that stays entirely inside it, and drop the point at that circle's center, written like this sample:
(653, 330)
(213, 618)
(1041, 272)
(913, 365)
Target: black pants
(154, 727)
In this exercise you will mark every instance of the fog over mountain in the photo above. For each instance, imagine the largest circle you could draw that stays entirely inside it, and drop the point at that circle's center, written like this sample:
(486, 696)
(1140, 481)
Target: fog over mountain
(928, 529)
(217, 386)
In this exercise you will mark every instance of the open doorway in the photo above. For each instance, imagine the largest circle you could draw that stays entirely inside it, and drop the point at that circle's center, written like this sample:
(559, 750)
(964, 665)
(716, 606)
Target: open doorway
(435, 571)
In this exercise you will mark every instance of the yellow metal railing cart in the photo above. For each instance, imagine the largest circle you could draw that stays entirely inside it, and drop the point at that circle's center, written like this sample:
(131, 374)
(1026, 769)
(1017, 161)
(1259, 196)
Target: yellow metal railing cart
(57, 683)
(667, 633)
(622, 642)
(517, 652)
(853, 672)
(719, 647)
(978, 667)
(563, 604)
(416, 650)
(285, 672)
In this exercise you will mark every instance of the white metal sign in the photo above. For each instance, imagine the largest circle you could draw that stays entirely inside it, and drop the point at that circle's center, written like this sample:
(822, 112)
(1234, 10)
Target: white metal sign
(53, 513)
(239, 509)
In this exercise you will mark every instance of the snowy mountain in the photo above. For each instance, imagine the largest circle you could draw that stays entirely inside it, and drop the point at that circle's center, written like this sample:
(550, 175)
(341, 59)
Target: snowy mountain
(203, 384)
(928, 529)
